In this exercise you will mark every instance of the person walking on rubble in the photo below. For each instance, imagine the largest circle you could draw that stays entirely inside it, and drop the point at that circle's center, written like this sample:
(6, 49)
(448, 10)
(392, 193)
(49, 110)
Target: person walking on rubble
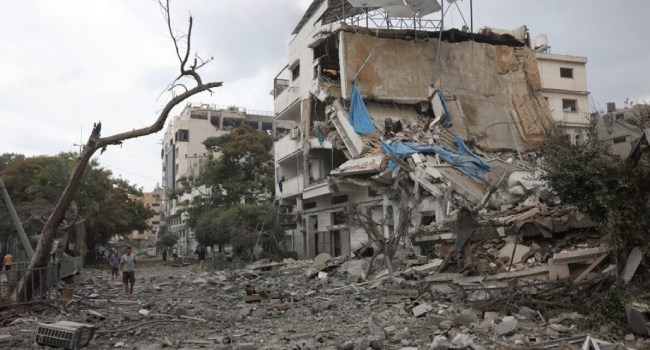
(201, 253)
(164, 255)
(7, 261)
(128, 264)
(114, 260)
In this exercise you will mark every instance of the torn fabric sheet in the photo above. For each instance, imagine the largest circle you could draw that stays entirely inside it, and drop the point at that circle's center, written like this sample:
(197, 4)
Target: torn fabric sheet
(463, 159)
(359, 116)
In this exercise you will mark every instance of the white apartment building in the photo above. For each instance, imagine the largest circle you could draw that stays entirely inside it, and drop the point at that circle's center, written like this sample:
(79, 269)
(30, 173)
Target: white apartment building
(183, 153)
(564, 86)
(396, 68)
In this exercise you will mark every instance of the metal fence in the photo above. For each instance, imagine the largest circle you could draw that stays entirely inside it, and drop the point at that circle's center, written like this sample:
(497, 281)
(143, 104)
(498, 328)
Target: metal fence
(43, 280)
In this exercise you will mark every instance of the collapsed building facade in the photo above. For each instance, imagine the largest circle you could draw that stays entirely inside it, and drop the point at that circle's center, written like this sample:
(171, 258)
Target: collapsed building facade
(450, 118)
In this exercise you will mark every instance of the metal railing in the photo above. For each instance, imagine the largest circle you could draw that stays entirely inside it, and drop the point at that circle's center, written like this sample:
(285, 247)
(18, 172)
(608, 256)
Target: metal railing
(43, 282)
(68, 267)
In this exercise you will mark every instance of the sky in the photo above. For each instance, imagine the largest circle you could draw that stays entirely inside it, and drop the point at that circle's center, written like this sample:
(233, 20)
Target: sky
(67, 64)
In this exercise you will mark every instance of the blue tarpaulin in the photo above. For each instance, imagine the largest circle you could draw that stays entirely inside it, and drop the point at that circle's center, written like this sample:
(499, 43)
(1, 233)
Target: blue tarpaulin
(462, 159)
(359, 116)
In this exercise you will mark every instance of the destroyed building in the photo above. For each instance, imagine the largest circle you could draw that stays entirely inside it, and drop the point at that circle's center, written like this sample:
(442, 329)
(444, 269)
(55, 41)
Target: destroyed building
(183, 153)
(376, 104)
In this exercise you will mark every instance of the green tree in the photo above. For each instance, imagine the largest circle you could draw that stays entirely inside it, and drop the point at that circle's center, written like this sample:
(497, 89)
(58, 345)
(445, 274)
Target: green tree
(167, 241)
(209, 231)
(613, 192)
(7, 158)
(103, 205)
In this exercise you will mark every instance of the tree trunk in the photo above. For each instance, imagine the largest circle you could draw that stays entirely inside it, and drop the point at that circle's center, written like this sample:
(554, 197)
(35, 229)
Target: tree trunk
(95, 142)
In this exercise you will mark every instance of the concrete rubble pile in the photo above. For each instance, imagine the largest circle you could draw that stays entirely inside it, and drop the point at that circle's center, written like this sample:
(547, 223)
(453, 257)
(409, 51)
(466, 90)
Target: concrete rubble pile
(325, 303)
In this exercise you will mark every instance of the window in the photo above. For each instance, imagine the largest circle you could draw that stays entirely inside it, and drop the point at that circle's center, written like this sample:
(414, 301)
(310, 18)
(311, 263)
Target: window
(619, 139)
(428, 218)
(155, 222)
(310, 205)
(182, 135)
(201, 116)
(570, 105)
(295, 72)
(155, 204)
(578, 140)
(566, 72)
(338, 218)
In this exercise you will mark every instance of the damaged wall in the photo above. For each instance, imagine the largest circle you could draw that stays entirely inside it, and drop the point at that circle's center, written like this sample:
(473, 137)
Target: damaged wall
(487, 87)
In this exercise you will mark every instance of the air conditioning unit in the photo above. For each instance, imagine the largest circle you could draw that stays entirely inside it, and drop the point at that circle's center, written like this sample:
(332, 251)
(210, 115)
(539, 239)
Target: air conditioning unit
(294, 134)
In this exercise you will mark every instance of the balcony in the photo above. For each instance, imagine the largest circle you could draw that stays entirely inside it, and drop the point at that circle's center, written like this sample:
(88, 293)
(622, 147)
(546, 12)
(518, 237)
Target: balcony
(286, 101)
(290, 187)
(287, 146)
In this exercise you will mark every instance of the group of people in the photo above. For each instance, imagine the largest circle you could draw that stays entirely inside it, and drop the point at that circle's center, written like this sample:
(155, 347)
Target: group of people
(126, 264)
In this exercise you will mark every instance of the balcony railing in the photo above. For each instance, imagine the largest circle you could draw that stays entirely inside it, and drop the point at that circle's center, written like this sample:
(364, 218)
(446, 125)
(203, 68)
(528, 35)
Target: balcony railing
(290, 187)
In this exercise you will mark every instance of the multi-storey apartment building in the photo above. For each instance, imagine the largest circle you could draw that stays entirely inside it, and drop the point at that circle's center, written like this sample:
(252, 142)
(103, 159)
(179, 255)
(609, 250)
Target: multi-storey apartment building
(183, 153)
(417, 84)
(564, 86)
(152, 200)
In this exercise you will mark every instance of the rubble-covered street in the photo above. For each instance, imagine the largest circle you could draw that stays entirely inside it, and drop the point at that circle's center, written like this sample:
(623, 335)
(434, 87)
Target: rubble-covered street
(321, 304)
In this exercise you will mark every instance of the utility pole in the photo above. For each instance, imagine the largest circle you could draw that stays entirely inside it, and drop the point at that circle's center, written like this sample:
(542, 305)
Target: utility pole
(471, 15)
(81, 141)
(14, 217)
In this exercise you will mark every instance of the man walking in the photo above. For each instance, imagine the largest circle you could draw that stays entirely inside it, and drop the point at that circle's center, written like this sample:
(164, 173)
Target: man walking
(201, 253)
(7, 261)
(128, 264)
(114, 260)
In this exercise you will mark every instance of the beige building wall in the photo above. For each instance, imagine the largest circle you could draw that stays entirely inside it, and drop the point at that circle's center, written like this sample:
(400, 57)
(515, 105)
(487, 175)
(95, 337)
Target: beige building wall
(564, 86)
(152, 200)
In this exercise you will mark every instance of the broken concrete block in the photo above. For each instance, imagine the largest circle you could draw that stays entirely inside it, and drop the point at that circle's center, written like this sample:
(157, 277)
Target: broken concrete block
(506, 252)
(638, 317)
(633, 262)
(144, 312)
(578, 255)
(508, 326)
(6, 339)
(557, 271)
(431, 266)
(421, 309)
(252, 298)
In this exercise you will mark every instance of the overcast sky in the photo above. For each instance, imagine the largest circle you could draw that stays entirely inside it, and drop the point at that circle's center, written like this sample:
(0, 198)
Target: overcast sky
(66, 64)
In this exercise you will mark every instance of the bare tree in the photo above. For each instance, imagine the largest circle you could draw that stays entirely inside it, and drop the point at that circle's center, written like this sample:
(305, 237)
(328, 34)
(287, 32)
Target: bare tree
(388, 244)
(97, 142)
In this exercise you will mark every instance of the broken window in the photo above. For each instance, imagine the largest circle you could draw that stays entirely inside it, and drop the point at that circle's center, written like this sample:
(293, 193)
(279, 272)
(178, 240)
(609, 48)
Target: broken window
(428, 218)
(327, 53)
(231, 122)
(310, 205)
(566, 72)
(619, 139)
(215, 120)
(338, 218)
(569, 105)
(295, 72)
